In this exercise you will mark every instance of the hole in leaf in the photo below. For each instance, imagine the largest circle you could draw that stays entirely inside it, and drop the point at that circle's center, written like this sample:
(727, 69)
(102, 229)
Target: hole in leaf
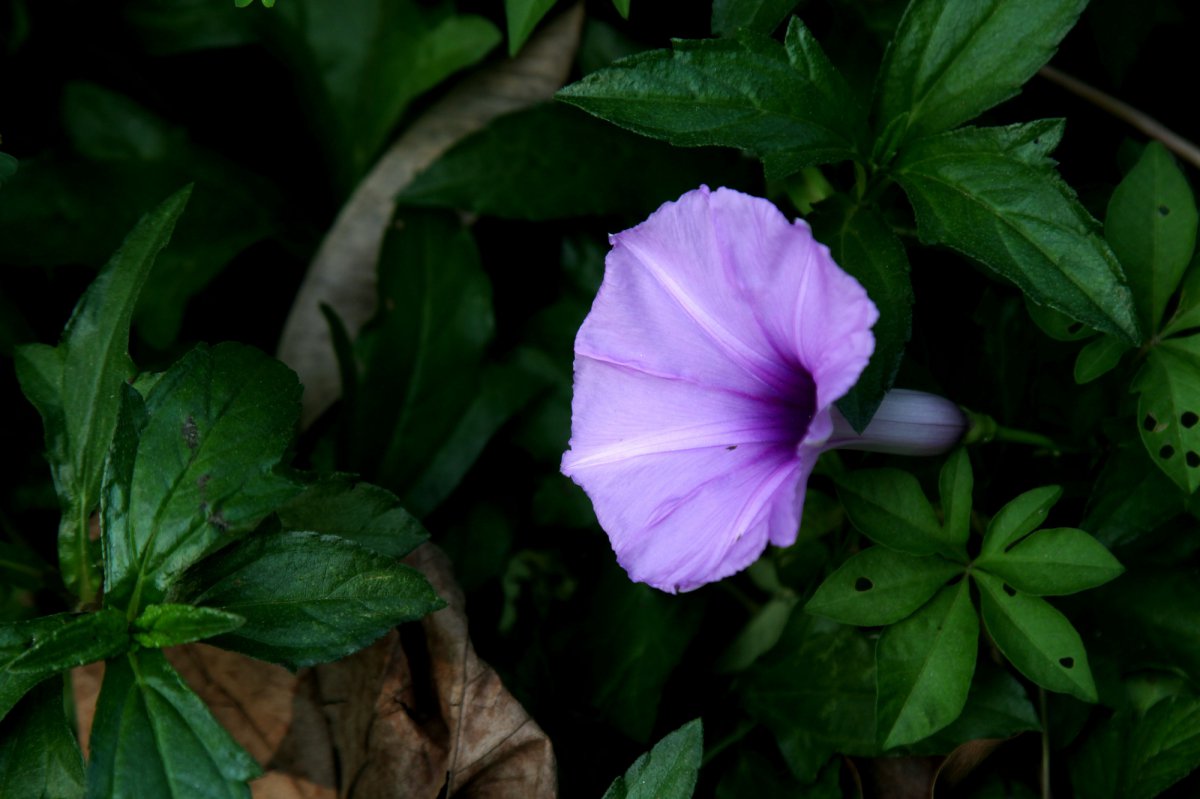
(1008, 589)
(1074, 327)
(1163, 210)
(863, 584)
(1166, 452)
(1189, 419)
(1193, 460)
(1067, 663)
(1149, 423)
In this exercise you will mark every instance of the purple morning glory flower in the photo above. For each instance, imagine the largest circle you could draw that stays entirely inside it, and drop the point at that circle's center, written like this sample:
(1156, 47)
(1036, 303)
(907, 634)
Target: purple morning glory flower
(705, 377)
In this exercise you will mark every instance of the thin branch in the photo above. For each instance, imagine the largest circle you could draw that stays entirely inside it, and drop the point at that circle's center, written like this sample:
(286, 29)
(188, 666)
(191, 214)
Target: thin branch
(1143, 122)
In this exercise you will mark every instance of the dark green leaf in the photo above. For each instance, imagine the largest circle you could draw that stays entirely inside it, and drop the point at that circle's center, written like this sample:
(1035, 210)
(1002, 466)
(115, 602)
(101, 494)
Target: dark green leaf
(307, 598)
(785, 104)
(1187, 314)
(1130, 498)
(997, 707)
(39, 758)
(552, 161)
(880, 586)
(522, 16)
(1036, 638)
(956, 482)
(816, 692)
(1019, 518)
(755, 774)
(76, 386)
(20, 567)
(204, 469)
(152, 732)
(924, 666)
(1055, 324)
(762, 16)
(1098, 357)
(1151, 226)
(888, 506)
(1053, 563)
(862, 243)
(667, 771)
(760, 633)
(15, 639)
(161, 626)
(1151, 616)
(994, 195)
(341, 505)
(622, 7)
(948, 64)
(8, 167)
(1169, 388)
(636, 637)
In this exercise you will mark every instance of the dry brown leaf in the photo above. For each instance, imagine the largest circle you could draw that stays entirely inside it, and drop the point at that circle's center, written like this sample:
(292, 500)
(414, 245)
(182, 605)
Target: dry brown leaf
(920, 777)
(342, 273)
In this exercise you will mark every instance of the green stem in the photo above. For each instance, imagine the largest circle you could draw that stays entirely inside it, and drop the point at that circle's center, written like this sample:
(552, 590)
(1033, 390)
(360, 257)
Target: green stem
(984, 429)
(1045, 776)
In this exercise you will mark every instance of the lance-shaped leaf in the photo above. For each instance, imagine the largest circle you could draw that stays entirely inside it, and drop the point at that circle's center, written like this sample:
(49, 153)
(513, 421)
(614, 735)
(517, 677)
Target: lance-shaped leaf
(160, 626)
(1187, 313)
(890, 508)
(202, 470)
(1169, 409)
(33, 650)
(1098, 357)
(924, 666)
(341, 505)
(956, 481)
(668, 771)
(76, 386)
(785, 103)
(880, 586)
(522, 16)
(307, 598)
(39, 756)
(948, 63)
(994, 195)
(1053, 563)
(153, 737)
(1151, 226)
(1020, 517)
(864, 245)
(1035, 638)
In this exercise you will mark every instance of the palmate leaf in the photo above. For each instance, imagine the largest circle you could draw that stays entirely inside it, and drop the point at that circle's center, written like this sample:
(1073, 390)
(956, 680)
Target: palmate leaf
(668, 771)
(39, 757)
(1168, 385)
(785, 103)
(1018, 518)
(306, 598)
(924, 666)
(994, 195)
(956, 482)
(76, 386)
(949, 63)
(153, 737)
(880, 586)
(890, 508)
(1054, 563)
(1151, 226)
(202, 469)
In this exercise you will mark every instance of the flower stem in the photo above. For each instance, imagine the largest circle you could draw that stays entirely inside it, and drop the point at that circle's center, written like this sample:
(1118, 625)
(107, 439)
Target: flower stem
(984, 429)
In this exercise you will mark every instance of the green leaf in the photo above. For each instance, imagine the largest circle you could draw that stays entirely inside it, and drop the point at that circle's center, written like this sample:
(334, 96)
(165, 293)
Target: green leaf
(553, 162)
(20, 567)
(994, 195)
(203, 470)
(785, 104)
(880, 586)
(1151, 226)
(1036, 638)
(1019, 518)
(816, 692)
(622, 7)
(307, 598)
(15, 639)
(956, 482)
(160, 626)
(862, 243)
(1130, 498)
(152, 732)
(924, 666)
(759, 635)
(76, 386)
(341, 505)
(1187, 314)
(947, 65)
(761, 16)
(39, 757)
(1098, 357)
(636, 637)
(1150, 615)
(522, 16)
(8, 167)
(668, 771)
(997, 707)
(1168, 385)
(1055, 324)
(890, 508)
(1053, 563)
